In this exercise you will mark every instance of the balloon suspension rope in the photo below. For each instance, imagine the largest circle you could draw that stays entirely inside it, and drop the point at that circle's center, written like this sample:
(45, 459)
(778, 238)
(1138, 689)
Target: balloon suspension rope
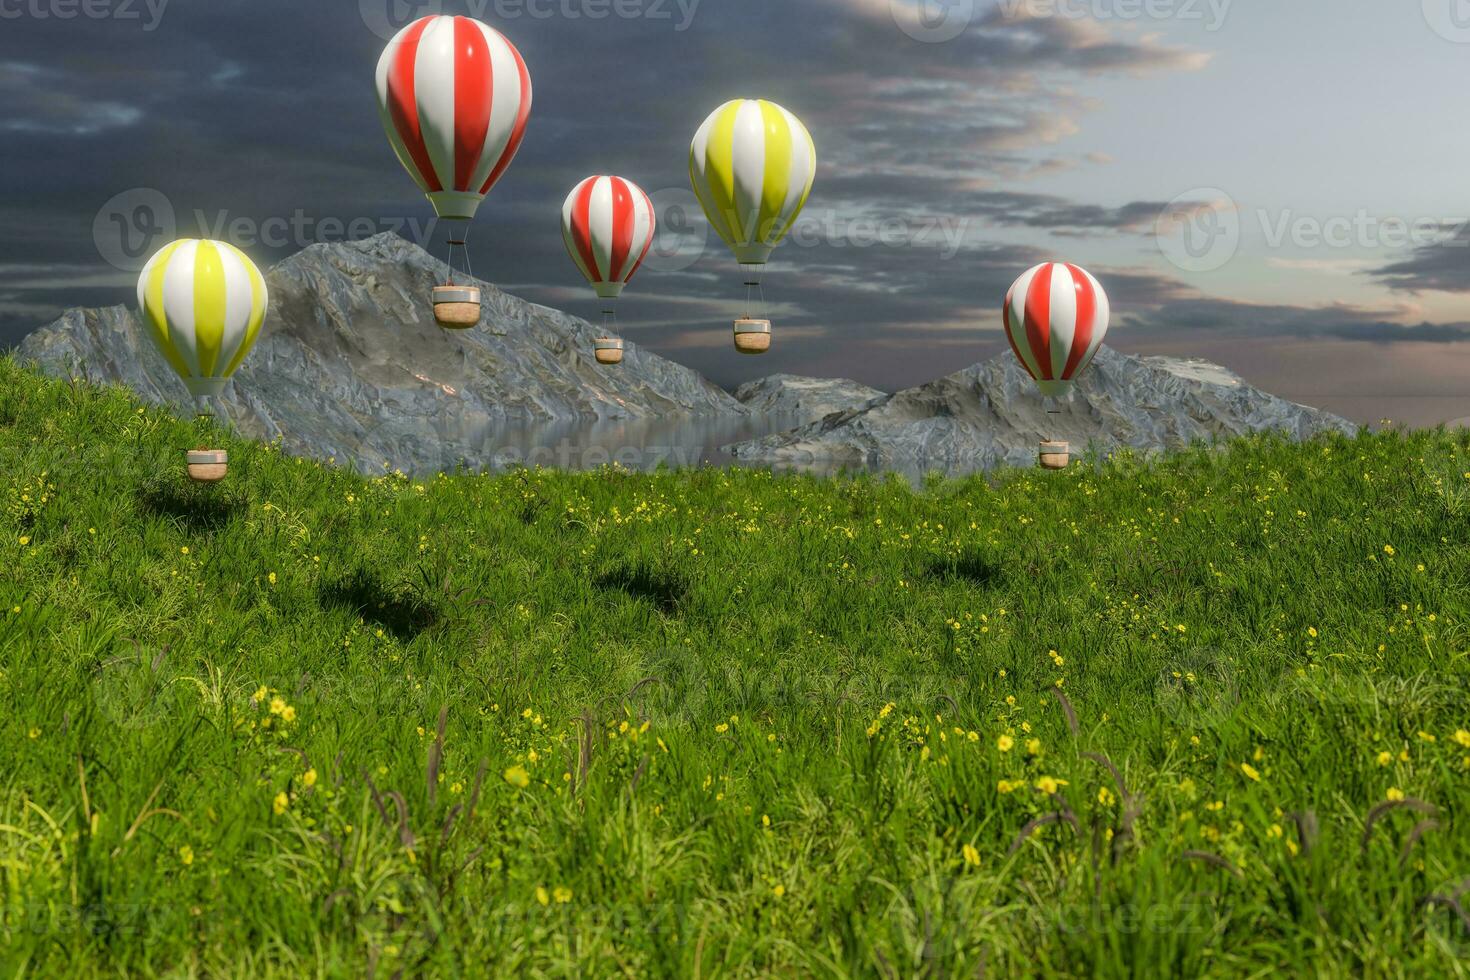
(205, 413)
(754, 293)
(610, 321)
(462, 242)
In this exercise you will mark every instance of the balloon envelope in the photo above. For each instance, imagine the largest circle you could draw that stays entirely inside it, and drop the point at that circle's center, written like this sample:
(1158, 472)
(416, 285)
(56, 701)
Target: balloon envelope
(1056, 316)
(607, 224)
(203, 304)
(752, 165)
(454, 96)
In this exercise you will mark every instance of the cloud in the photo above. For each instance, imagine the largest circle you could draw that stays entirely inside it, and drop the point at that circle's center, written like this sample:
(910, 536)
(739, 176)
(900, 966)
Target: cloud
(49, 102)
(1442, 266)
(1223, 317)
(227, 113)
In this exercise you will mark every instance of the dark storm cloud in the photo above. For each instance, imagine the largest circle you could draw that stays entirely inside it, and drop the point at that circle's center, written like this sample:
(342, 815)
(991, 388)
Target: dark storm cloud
(1442, 266)
(263, 111)
(1223, 317)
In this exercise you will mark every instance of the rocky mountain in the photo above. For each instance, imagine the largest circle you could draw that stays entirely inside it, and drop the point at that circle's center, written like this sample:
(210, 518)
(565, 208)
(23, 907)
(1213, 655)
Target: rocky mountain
(352, 366)
(809, 399)
(992, 414)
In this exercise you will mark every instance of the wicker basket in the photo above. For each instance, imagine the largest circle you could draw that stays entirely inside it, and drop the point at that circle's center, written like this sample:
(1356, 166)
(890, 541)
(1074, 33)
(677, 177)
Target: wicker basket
(457, 307)
(207, 465)
(752, 336)
(609, 350)
(1055, 455)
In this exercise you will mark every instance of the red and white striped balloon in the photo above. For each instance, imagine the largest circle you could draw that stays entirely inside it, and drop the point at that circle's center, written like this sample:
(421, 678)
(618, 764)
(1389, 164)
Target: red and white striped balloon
(1056, 317)
(454, 96)
(608, 225)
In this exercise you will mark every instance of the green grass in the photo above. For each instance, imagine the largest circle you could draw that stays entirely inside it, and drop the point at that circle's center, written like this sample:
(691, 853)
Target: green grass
(728, 724)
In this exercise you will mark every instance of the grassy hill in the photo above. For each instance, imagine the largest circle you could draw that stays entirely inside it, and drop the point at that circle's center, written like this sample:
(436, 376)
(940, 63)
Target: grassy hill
(1206, 715)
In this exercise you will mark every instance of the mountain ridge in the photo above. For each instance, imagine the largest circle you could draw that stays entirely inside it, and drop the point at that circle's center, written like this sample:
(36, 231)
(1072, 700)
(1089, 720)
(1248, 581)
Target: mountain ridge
(991, 414)
(351, 366)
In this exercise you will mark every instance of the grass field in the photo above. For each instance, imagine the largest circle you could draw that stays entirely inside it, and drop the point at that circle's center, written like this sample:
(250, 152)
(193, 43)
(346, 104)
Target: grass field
(1202, 716)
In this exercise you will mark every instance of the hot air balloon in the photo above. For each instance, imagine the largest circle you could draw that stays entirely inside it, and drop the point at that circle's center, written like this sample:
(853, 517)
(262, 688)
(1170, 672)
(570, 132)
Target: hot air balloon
(608, 224)
(1056, 316)
(752, 165)
(203, 303)
(454, 96)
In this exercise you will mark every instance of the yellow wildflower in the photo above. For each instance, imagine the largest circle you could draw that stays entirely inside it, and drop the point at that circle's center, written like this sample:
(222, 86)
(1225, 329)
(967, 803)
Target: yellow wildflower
(1395, 794)
(972, 856)
(562, 894)
(1462, 737)
(1005, 743)
(1049, 785)
(309, 778)
(542, 896)
(280, 803)
(1384, 758)
(1250, 772)
(519, 778)
(186, 855)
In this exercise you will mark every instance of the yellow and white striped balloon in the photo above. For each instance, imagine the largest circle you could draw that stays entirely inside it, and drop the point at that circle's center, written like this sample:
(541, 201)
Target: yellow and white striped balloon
(752, 165)
(203, 303)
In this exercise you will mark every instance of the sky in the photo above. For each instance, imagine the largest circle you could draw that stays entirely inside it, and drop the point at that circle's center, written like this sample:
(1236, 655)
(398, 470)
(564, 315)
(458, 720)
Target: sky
(1279, 187)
